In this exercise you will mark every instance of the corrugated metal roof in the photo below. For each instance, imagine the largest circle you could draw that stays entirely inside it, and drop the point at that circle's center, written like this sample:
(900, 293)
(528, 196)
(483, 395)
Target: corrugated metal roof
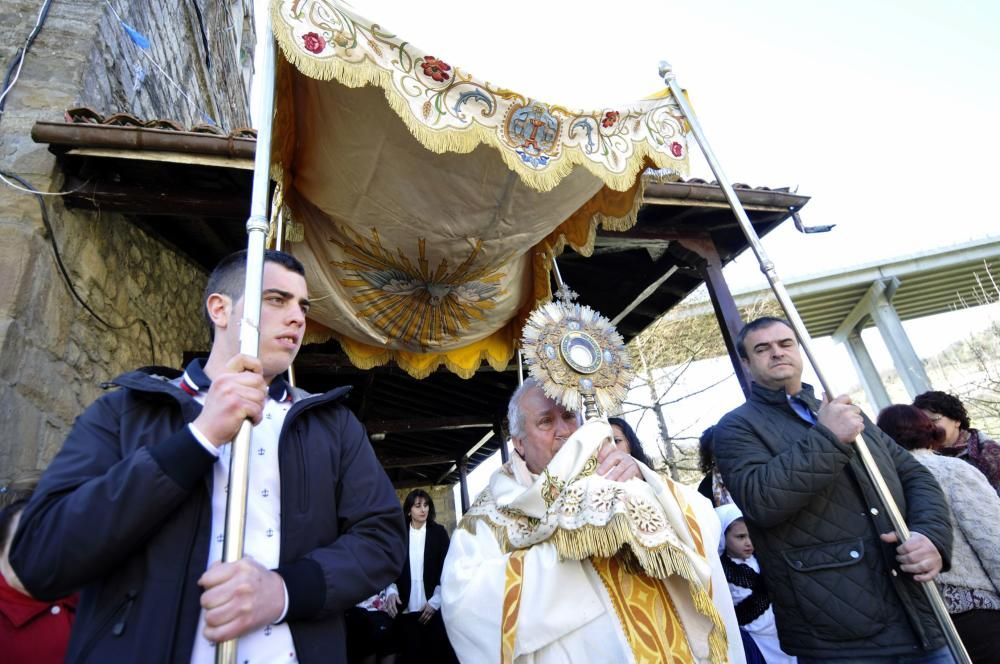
(930, 282)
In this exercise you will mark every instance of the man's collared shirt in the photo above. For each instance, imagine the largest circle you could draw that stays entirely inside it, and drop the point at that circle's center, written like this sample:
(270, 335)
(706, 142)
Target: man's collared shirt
(801, 409)
(271, 643)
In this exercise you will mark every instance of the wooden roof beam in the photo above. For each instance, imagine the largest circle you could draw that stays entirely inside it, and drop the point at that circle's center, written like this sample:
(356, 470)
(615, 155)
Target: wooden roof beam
(411, 425)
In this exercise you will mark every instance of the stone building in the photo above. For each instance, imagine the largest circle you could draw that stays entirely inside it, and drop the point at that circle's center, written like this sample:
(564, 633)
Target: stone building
(142, 295)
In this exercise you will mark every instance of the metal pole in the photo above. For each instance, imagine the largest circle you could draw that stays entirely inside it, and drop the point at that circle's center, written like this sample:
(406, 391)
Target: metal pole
(798, 326)
(557, 274)
(257, 226)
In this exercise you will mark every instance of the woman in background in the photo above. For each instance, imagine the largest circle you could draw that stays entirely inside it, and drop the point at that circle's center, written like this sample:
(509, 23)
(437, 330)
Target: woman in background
(626, 440)
(971, 588)
(422, 633)
(711, 485)
(960, 439)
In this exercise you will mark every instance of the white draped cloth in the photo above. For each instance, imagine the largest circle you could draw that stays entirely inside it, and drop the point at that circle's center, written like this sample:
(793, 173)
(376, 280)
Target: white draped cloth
(566, 614)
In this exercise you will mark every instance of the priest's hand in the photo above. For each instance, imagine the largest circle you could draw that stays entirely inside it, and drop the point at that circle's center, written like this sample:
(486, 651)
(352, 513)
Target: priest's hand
(239, 598)
(616, 465)
(237, 394)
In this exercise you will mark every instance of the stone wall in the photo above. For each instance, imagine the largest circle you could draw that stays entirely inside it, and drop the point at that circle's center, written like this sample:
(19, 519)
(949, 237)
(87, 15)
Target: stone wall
(195, 71)
(53, 353)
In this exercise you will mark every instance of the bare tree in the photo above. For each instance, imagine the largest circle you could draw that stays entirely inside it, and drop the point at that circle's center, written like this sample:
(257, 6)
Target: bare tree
(663, 355)
(971, 367)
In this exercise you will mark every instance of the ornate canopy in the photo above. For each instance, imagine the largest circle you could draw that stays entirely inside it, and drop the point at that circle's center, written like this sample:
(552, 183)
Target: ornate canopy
(427, 204)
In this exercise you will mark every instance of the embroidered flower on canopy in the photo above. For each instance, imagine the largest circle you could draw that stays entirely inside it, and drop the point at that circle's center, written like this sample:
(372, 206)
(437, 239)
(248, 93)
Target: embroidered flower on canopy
(676, 149)
(436, 69)
(610, 118)
(646, 518)
(314, 43)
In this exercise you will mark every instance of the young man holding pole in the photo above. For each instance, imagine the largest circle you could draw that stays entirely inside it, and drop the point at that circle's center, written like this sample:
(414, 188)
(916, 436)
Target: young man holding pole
(842, 588)
(132, 508)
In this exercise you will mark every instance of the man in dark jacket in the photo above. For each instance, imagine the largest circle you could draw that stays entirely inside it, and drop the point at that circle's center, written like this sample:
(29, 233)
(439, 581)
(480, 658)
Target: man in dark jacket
(132, 508)
(841, 586)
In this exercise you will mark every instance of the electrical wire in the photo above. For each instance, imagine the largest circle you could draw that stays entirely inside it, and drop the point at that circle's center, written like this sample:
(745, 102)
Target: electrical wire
(10, 80)
(65, 274)
(141, 50)
(41, 193)
(11, 77)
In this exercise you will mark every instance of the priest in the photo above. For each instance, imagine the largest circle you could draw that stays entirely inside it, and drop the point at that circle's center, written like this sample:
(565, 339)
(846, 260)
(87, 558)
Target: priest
(576, 552)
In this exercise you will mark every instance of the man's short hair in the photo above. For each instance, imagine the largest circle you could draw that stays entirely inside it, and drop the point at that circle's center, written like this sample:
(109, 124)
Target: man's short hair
(756, 324)
(515, 418)
(229, 277)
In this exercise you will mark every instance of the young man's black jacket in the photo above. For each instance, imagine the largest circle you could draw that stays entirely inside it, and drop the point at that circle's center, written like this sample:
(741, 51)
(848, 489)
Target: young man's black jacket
(815, 519)
(124, 513)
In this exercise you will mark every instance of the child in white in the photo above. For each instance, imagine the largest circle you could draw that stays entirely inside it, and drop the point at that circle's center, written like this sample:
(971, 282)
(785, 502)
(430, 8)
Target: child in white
(753, 604)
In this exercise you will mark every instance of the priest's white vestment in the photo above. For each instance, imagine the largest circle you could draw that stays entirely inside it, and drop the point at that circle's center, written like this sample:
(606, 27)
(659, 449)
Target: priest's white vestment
(566, 609)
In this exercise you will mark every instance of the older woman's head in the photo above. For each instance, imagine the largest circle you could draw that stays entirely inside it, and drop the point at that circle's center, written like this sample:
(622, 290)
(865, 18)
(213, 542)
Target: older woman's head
(910, 427)
(946, 411)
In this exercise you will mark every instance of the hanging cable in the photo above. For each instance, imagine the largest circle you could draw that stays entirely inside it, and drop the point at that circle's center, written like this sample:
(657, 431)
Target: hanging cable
(65, 274)
(142, 45)
(10, 78)
(34, 192)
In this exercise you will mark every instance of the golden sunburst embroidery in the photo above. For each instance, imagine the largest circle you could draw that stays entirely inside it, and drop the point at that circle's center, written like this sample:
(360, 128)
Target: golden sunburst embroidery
(414, 304)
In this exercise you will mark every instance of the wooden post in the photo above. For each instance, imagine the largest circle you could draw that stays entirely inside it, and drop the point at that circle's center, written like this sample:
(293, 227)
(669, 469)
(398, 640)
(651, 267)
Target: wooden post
(463, 480)
(498, 432)
(726, 311)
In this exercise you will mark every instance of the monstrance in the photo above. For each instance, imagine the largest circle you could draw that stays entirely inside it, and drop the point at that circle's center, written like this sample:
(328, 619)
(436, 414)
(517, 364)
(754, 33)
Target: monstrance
(577, 355)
